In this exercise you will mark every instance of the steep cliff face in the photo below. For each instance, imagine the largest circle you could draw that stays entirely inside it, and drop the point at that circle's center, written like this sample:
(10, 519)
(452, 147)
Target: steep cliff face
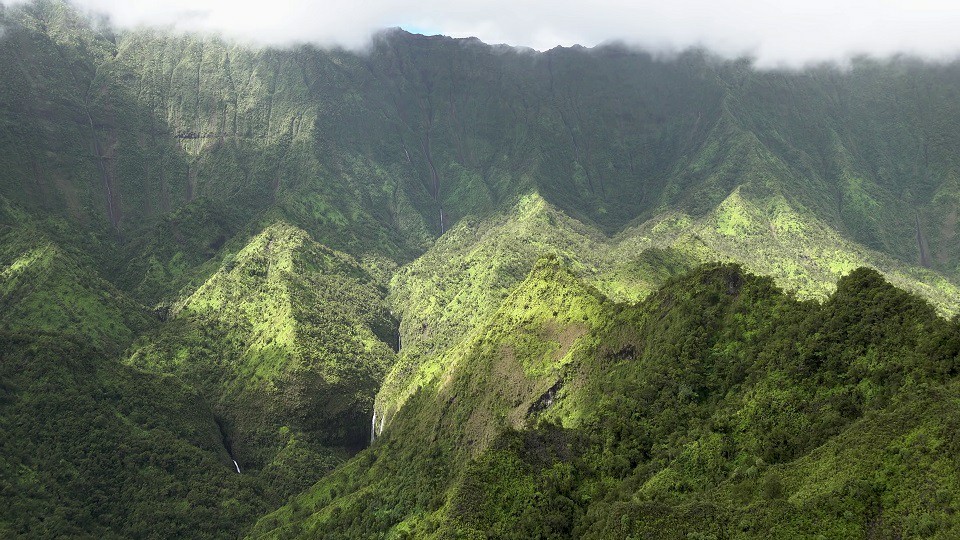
(370, 152)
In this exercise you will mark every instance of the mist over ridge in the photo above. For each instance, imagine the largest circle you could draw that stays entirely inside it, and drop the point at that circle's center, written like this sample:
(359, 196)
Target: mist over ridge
(775, 34)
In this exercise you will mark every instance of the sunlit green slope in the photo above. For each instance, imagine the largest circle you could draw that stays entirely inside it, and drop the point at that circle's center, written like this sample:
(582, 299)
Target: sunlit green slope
(287, 342)
(719, 407)
(442, 296)
(44, 288)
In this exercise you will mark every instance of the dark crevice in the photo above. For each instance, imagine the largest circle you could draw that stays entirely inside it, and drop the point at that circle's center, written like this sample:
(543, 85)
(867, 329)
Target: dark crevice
(545, 400)
(922, 245)
(225, 439)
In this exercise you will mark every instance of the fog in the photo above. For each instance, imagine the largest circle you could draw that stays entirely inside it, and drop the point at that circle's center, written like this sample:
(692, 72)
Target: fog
(785, 33)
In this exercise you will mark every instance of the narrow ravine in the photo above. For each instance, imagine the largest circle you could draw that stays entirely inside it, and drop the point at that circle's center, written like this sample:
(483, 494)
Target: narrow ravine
(225, 439)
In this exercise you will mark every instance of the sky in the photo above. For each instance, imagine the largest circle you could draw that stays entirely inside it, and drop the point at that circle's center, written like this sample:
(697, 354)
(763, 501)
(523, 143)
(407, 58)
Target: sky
(775, 32)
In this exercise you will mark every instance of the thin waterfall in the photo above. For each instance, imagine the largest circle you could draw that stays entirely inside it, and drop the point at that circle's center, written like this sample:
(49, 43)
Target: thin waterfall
(237, 466)
(399, 339)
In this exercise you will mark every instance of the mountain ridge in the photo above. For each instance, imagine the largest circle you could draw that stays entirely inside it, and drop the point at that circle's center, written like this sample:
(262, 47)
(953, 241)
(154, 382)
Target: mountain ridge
(635, 373)
(731, 97)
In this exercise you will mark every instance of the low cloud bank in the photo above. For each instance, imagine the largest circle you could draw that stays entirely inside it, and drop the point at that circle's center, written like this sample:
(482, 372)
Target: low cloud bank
(787, 33)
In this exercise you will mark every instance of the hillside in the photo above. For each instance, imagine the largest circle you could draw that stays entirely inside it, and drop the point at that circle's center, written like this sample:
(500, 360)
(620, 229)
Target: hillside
(446, 293)
(719, 407)
(286, 341)
(44, 288)
(92, 449)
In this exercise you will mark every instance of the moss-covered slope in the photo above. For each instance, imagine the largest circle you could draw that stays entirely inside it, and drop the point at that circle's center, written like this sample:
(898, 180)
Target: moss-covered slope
(44, 288)
(703, 410)
(443, 296)
(287, 342)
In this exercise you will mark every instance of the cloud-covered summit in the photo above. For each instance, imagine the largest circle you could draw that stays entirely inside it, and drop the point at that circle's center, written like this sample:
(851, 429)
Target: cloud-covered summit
(793, 32)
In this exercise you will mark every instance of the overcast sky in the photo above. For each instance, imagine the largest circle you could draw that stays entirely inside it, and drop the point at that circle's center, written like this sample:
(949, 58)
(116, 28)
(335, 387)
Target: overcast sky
(775, 32)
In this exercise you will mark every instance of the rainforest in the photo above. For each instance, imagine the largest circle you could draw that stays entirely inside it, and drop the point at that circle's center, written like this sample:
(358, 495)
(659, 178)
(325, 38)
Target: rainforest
(444, 289)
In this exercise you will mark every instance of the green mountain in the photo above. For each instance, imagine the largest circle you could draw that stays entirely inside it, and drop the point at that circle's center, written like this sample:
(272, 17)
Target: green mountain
(287, 342)
(719, 407)
(47, 289)
(445, 289)
(371, 152)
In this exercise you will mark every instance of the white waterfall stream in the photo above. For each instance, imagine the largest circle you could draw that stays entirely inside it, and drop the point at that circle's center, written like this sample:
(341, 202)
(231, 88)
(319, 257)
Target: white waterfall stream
(237, 466)
(376, 431)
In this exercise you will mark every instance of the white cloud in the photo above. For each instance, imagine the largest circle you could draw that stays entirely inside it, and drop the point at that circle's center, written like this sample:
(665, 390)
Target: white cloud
(775, 32)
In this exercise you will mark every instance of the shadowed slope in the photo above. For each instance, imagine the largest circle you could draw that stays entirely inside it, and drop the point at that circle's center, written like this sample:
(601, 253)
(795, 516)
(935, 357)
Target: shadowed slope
(286, 340)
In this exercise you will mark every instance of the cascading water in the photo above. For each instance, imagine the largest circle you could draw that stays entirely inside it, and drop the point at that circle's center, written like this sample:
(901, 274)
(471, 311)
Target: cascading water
(376, 431)
(226, 443)
(399, 338)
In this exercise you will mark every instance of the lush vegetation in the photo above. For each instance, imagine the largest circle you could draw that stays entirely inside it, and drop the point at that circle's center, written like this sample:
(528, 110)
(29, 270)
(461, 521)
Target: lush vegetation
(370, 152)
(288, 342)
(531, 277)
(92, 449)
(719, 407)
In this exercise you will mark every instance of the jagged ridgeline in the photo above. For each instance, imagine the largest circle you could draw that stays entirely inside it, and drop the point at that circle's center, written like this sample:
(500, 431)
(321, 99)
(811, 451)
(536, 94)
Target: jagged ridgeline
(377, 152)
(529, 279)
(717, 408)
